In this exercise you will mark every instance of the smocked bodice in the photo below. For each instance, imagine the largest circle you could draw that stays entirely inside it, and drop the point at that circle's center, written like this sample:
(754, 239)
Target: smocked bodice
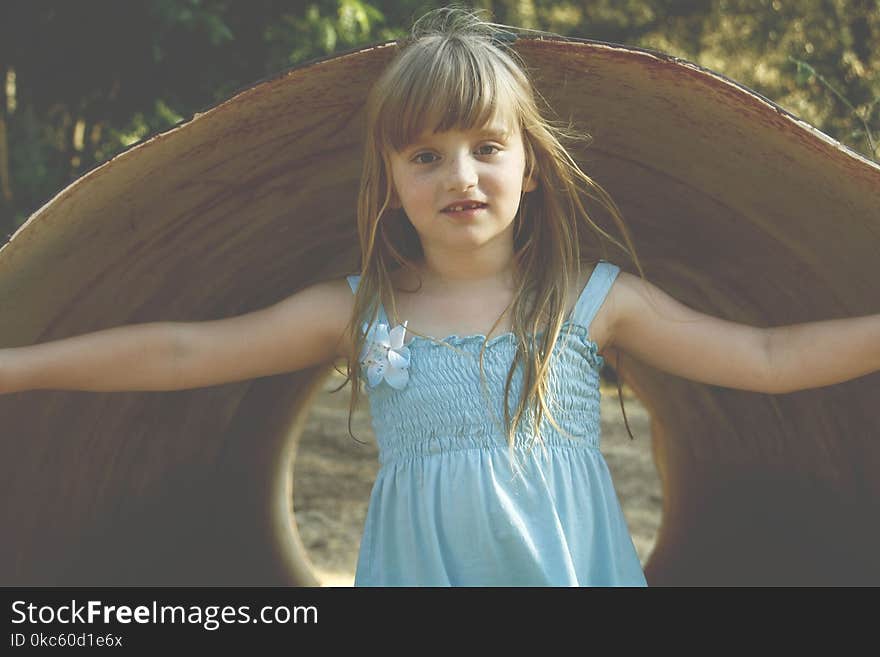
(445, 406)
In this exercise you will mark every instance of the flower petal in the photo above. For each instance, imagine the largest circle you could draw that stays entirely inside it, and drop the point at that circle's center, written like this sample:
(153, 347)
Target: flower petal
(375, 372)
(396, 336)
(398, 360)
(381, 336)
(397, 378)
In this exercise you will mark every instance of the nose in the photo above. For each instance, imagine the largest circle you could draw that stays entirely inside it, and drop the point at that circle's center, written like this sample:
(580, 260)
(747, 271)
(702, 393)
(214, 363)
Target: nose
(462, 172)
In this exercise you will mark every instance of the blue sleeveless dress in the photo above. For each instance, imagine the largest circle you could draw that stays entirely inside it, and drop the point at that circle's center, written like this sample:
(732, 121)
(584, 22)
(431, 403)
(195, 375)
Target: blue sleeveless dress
(449, 506)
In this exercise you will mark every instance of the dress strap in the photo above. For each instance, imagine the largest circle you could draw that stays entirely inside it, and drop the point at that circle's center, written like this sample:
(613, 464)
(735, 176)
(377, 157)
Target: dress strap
(353, 281)
(594, 293)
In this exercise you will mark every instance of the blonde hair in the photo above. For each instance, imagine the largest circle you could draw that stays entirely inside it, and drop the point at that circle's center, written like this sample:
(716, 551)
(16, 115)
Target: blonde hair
(456, 71)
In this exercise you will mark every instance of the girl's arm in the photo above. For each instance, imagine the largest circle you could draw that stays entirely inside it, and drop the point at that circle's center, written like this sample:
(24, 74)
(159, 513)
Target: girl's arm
(303, 330)
(657, 329)
(818, 354)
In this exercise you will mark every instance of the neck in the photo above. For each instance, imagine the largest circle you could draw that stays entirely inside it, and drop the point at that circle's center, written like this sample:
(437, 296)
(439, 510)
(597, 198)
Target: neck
(443, 270)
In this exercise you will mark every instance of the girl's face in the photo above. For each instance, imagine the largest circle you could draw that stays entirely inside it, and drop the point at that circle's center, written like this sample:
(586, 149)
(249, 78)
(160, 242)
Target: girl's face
(485, 165)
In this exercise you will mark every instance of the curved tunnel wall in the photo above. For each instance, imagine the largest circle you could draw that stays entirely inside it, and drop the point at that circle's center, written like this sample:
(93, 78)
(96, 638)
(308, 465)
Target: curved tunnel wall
(737, 209)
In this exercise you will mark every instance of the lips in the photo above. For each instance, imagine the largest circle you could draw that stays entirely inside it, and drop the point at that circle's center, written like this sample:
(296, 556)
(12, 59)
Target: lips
(467, 205)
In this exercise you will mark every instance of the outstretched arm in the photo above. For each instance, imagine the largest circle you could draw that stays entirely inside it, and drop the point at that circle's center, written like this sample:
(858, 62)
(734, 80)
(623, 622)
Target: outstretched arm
(301, 331)
(817, 354)
(659, 330)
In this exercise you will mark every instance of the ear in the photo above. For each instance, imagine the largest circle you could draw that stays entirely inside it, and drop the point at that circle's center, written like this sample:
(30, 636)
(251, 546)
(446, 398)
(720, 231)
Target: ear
(530, 183)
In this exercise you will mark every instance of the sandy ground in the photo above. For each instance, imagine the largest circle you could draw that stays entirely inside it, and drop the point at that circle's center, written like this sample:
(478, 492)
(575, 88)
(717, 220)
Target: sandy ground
(334, 475)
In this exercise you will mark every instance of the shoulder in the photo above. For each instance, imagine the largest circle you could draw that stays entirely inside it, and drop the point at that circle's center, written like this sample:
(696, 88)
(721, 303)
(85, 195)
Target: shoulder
(328, 305)
(628, 300)
(340, 300)
(334, 296)
(621, 296)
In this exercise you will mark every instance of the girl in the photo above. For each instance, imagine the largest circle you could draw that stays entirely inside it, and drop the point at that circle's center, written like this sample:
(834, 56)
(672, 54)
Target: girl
(478, 324)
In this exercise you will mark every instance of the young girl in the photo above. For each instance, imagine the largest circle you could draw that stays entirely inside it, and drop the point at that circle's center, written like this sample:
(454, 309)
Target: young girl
(477, 324)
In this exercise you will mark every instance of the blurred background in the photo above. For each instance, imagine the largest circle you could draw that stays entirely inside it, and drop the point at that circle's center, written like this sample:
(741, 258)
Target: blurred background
(83, 80)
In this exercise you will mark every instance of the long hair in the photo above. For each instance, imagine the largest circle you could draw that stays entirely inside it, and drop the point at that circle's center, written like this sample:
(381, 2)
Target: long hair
(457, 71)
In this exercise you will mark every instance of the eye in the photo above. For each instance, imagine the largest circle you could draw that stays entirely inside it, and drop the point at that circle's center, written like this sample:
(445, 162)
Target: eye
(418, 157)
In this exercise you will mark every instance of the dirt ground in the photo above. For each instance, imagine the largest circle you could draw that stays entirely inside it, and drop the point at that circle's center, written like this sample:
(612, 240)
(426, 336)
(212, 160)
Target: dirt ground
(334, 476)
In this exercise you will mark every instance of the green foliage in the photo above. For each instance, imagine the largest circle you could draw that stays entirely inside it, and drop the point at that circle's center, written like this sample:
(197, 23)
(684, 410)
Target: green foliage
(806, 74)
(84, 80)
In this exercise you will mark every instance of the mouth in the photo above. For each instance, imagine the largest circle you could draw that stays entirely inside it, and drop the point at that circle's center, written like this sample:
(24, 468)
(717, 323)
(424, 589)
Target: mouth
(465, 209)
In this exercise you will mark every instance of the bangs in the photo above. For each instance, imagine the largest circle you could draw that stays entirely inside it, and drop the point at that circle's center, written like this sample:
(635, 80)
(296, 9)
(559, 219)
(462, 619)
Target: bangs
(447, 84)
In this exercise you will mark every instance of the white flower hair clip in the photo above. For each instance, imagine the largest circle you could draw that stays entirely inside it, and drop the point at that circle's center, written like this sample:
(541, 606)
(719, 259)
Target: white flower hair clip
(385, 357)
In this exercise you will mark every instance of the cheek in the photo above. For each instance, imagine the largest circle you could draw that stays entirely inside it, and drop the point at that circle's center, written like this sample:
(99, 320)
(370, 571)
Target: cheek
(419, 194)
